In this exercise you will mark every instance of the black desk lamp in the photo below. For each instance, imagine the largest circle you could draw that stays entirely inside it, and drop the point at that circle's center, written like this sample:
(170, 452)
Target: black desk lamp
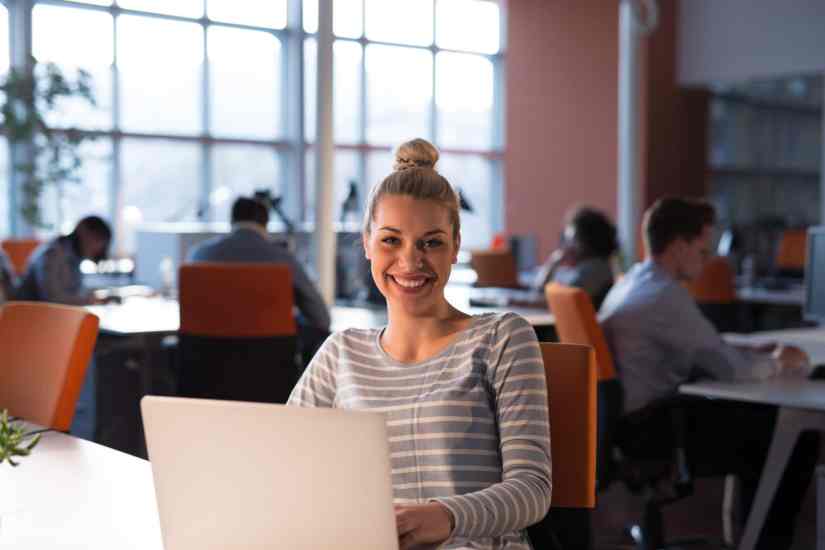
(350, 204)
(274, 203)
(463, 203)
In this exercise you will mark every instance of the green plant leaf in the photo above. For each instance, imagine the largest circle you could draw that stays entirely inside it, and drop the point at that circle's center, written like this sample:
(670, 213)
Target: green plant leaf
(28, 97)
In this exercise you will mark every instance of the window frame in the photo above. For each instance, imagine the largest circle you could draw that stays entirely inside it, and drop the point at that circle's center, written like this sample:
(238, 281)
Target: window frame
(292, 147)
(494, 155)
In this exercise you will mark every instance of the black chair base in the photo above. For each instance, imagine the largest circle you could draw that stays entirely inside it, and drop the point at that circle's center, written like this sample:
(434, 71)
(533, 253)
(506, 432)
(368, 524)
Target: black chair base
(239, 369)
(649, 535)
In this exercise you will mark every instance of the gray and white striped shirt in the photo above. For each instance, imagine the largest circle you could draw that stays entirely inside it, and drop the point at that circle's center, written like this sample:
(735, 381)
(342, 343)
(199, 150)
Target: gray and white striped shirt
(468, 427)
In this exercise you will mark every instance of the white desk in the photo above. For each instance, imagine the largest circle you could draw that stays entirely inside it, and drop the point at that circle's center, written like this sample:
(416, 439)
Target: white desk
(72, 494)
(801, 406)
(160, 316)
(794, 296)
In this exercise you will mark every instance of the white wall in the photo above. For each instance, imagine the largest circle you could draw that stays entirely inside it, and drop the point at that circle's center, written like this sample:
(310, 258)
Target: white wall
(733, 40)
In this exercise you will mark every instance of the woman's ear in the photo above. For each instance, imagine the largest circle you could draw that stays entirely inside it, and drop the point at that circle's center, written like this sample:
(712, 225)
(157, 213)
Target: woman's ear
(365, 241)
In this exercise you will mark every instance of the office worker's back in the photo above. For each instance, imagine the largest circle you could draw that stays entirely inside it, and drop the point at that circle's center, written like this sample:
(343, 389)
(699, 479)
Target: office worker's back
(248, 244)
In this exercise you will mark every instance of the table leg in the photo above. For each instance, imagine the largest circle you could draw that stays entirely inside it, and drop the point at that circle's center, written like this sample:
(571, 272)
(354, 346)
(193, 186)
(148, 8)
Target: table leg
(820, 507)
(789, 424)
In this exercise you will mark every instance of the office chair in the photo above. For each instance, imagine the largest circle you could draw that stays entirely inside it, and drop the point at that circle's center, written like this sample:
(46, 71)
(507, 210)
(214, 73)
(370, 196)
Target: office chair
(237, 337)
(495, 268)
(715, 293)
(19, 251)
(791, 252)
(663, 478)
(571, 388)
(44, 352)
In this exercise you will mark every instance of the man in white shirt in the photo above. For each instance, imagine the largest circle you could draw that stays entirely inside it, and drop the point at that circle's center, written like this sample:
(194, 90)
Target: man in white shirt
(660, 339)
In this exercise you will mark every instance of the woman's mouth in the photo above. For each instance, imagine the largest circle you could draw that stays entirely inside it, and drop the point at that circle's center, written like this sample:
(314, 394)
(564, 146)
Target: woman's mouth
(411, 283)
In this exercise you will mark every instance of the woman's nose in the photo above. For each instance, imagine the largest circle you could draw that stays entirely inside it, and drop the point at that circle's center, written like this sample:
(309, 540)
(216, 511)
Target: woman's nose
(412, 257)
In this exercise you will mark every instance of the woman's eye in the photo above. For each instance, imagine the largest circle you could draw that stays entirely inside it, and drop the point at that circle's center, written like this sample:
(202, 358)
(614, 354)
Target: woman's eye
(433, 243)
(390, 240)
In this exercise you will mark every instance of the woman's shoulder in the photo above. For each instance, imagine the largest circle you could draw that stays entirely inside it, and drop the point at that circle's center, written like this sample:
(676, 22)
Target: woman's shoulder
(358, 339)
(501, 324)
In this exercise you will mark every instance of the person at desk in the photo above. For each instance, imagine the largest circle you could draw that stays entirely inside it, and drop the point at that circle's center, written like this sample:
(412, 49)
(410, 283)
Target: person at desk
(250, 242)
(53, 273)
(659, 339)
(583, 258)
(465, 397)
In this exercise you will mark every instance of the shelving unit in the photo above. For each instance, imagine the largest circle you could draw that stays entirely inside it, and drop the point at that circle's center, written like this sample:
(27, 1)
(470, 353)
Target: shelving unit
(765, 152)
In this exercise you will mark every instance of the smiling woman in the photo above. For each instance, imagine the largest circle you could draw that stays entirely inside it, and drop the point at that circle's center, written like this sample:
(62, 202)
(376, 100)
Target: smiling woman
(465, 397)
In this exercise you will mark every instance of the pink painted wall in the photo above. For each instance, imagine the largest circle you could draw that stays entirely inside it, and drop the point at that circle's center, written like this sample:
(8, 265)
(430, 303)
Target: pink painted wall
(561, 117)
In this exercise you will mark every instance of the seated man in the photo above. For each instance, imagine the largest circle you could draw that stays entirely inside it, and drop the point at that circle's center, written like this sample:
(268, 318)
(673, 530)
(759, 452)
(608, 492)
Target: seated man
(250, 242)
(53, 273)
(659, 339)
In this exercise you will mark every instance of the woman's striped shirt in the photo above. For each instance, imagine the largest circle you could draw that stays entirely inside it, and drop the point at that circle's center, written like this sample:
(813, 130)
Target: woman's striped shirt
(468, 427)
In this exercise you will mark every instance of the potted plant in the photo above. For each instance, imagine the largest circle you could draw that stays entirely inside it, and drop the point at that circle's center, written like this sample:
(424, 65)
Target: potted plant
(51, 156)
(14, 441)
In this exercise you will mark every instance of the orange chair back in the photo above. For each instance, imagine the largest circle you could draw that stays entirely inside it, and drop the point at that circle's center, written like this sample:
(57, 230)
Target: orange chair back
(44, 352)
(495, 268)
(571, 386)
(19, 251)
(235, 300)
(576, 323)
(792, 249)
(716, 283)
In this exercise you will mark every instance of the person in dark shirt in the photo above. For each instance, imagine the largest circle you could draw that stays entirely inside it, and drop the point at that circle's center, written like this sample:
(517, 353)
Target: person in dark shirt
(53, 272)
(583, 258)
(53, 275)
(249, 242)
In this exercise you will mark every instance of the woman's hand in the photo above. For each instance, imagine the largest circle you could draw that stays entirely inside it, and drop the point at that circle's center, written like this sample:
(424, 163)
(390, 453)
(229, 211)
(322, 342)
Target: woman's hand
(422, 524)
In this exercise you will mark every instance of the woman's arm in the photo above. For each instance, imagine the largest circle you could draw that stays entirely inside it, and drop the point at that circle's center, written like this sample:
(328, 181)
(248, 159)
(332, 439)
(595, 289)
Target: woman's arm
(522, 498)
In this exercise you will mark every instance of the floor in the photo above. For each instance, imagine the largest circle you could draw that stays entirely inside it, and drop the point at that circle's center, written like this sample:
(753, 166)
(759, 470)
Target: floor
(698, 515)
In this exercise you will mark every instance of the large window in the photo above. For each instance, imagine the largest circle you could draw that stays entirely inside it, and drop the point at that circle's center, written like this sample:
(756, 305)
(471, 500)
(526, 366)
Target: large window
(414, 68)
(5, 214)
(196, 100)
(190, 102)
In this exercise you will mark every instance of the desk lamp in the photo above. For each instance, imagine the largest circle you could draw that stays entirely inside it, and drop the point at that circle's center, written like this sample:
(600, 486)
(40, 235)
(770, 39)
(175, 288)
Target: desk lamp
(274, 203)
(351, 202)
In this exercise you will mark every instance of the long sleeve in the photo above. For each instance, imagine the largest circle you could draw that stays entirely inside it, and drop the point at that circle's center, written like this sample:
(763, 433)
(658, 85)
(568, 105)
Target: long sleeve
(6, 278)
(308, 299)
(523, 496)
(58, 280)
(687, 331)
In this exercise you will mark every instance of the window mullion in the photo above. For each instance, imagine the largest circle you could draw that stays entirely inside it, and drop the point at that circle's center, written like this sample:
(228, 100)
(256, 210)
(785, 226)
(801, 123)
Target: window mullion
(204, 212)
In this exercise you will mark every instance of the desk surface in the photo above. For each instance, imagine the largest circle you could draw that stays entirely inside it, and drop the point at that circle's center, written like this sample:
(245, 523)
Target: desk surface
(788, 391)
(74, 494)
(156, 315)
(793, 296)
(797, 393)
(811, 340)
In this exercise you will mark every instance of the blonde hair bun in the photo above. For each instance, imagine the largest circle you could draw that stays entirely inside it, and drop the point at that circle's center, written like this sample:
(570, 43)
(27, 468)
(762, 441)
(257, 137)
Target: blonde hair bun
(416, 153)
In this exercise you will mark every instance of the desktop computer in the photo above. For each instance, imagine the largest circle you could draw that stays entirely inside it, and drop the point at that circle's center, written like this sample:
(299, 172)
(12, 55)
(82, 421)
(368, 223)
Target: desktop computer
(815, 276)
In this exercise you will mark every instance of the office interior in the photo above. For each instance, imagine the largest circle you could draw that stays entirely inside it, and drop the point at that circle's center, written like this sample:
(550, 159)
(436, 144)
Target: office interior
(535, 105)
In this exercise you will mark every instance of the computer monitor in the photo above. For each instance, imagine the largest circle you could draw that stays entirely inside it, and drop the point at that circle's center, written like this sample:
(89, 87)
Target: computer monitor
(815, 276)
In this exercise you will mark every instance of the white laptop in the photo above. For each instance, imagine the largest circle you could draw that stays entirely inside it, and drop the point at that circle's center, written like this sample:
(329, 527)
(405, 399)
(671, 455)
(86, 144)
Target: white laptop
(231, 475)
